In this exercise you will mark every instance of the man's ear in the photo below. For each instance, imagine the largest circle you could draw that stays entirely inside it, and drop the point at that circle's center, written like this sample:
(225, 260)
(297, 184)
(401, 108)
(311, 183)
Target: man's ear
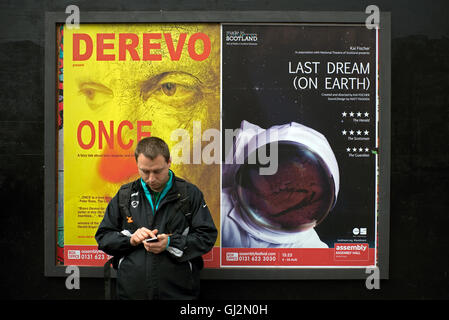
(169, 162)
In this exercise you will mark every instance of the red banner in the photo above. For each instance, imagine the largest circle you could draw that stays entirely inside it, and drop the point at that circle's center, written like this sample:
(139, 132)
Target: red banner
(84, 256)
(341, 255)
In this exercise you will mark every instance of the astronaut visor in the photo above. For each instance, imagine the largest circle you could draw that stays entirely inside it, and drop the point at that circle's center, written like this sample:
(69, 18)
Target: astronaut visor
(298, 196)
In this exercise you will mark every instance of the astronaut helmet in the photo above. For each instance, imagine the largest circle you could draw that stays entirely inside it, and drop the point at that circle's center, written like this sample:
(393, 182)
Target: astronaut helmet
(303, 189)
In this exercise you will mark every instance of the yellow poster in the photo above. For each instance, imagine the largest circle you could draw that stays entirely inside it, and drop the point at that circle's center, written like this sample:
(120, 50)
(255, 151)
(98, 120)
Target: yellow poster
(123, 82)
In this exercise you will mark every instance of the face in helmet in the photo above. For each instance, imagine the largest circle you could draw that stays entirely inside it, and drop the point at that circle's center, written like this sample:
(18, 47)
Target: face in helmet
(297, 197)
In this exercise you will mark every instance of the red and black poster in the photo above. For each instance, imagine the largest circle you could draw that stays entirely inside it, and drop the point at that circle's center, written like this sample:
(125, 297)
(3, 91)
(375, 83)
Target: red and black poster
(299, 145)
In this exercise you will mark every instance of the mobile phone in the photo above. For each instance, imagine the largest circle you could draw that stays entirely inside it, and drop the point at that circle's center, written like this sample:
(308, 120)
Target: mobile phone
(155, 239)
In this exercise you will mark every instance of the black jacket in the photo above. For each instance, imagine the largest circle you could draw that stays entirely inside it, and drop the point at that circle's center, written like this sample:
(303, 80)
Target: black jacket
(173, 273)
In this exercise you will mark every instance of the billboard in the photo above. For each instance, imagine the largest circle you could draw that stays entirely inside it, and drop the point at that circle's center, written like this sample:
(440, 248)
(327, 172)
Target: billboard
(279, 125)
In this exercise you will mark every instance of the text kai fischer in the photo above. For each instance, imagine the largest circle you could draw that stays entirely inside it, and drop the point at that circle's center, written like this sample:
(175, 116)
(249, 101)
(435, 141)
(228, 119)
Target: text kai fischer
(150, 46)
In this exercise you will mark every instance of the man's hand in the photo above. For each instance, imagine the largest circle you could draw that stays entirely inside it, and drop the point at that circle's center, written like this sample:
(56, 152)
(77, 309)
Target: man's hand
(158, 246)
(141, 234)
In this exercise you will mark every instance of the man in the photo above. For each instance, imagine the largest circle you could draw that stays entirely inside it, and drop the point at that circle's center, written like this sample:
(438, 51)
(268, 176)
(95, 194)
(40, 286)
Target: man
(167, 209)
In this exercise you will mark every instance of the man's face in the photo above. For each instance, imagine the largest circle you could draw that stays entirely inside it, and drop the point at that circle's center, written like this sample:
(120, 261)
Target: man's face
(154, 172)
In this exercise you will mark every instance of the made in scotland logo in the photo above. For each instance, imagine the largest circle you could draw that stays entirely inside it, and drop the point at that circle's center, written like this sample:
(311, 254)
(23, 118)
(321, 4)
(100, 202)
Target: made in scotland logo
(241, 38)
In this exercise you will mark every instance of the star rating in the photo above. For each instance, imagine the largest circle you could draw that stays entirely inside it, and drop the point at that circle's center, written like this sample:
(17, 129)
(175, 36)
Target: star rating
(356, 133)
(352, 132)
(358, 114)
(359, 149)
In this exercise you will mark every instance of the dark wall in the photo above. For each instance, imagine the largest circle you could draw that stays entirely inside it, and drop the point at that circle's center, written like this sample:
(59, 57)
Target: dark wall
(419, 259)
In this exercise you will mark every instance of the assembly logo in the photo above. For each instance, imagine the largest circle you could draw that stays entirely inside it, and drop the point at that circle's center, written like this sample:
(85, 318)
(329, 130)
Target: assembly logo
(241, 38)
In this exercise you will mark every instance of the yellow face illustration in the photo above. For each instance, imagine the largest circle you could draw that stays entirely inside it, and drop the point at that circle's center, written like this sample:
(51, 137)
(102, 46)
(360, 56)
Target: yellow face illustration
(124, 82)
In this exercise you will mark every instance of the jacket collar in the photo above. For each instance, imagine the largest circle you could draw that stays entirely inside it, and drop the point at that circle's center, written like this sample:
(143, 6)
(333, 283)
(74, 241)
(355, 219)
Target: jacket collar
(172, 189)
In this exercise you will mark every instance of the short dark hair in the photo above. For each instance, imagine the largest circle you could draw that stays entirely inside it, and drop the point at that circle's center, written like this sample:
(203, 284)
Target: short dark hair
(151, 147)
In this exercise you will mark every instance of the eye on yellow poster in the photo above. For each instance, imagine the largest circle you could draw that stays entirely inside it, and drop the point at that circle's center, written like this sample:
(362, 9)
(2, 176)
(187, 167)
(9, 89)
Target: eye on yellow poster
(123, 82)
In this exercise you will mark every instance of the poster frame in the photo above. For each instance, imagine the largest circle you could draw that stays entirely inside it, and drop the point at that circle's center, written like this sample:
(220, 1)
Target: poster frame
(52, 19)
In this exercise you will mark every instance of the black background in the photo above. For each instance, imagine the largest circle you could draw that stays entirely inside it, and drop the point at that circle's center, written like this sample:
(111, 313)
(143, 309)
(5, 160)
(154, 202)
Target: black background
(419, 245)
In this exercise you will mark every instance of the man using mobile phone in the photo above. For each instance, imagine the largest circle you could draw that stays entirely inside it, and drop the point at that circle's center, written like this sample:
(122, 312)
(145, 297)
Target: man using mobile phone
(170, 211)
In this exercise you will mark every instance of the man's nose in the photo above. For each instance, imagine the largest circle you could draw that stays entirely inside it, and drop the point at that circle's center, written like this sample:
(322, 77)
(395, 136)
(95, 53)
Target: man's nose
(151, 177)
